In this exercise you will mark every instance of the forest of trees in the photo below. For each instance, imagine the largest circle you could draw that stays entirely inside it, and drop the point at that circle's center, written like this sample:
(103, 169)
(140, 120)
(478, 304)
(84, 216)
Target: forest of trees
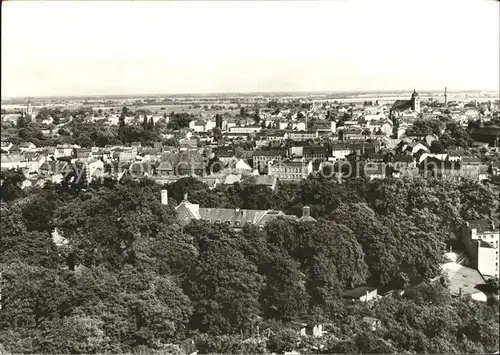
(130, 279)
(85, 132)
(450, 133)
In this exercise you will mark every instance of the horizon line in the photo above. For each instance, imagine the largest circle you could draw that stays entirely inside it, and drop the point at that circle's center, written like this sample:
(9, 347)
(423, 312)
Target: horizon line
(247, 93)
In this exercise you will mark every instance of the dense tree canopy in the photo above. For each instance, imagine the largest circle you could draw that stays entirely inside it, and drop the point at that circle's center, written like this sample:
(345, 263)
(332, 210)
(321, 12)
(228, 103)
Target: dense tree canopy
(425, 127)
(127, 278)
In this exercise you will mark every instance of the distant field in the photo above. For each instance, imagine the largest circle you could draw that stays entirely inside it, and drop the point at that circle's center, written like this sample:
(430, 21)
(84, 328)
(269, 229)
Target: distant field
(167, 108)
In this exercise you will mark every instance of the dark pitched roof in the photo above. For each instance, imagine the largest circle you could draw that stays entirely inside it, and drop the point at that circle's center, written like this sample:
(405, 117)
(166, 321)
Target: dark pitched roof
(484, 224)
(263, 180)
(358, 292)
(402, 105)
(234, 215)
(473, 160)
(374, 169)
(313, 150)
(340, 146)
(488, 131)
(141, 168)
(274, 152)
(485, 244)
(403, 158)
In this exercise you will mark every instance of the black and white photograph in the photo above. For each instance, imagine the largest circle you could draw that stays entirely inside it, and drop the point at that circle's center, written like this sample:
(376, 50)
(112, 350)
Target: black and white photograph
(250, 177)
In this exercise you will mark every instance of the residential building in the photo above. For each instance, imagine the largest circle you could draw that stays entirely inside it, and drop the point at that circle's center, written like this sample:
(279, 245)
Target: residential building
(26, 146)
(412, 147)
(94, 169)
(6, 146)
(300, 126)
(165, 168)
(361, 293)
(210, 125)
(232, 179)
(464, 281)
(262, 158)
(375, 170)
(305, 329)
(481, 238)
(262, 143)
(316, 152)
(339, 151)
(197, 125)
(306, 215)
(55, 168)
(372, 322)
(289, 170)
(487, 134)
(235, 135)
(365, 148)
(239, 166)
(302, 135)
(189, 163)
(264, 181)
(34, 161)
(296, 151)
(12, 161)
(352, 133)
(212, 182)
(245, 130)
(234, 218)
(188, 144)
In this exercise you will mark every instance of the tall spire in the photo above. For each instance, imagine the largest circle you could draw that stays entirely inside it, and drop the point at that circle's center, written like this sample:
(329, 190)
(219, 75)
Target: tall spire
(28, 107)
(445, 96)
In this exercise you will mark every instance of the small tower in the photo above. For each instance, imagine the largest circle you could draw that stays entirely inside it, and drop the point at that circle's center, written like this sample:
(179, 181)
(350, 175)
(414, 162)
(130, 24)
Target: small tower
(445, 96)
(415, 101)
(164, 197)
(29, 109)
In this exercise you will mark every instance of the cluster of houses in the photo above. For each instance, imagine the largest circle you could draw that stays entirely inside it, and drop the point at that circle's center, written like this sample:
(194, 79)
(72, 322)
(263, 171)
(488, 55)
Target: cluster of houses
(283, 147)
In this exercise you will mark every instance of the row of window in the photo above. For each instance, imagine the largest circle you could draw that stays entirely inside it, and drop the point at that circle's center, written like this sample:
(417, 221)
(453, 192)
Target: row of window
(314, 155)
(286, 170)
(218, 221)
(266, 157)
(289, 176)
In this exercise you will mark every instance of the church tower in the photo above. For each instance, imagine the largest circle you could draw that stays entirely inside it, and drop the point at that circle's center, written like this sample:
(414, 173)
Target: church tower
(415, 101)
(29, 109)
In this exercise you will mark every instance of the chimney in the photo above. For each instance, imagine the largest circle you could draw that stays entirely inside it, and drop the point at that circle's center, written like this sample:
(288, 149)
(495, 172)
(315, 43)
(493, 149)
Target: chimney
(459, 292)
(306, 211)
(185, 196)
(164, 197)
(492, 224)
(366, 296)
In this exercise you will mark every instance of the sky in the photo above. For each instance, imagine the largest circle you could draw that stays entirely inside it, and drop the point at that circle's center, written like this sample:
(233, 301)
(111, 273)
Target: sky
(52, 48)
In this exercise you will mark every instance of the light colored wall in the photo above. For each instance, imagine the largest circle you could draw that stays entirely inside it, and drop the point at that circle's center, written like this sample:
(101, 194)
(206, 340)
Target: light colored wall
(486, 261)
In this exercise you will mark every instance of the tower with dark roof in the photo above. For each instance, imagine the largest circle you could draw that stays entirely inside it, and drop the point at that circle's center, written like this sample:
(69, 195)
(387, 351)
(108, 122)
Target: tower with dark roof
(415, 101)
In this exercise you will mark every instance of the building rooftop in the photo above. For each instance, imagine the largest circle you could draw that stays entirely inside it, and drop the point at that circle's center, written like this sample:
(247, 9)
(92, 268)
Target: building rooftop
(402, 105)
(269, 153)
(358, 292)
(265, 180)
(313, 150)
(484, 224)
(462, 278)
(488, 131)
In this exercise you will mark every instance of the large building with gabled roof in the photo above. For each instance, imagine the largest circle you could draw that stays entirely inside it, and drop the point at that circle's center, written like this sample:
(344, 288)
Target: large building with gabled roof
(235, 218)
(406, 105)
